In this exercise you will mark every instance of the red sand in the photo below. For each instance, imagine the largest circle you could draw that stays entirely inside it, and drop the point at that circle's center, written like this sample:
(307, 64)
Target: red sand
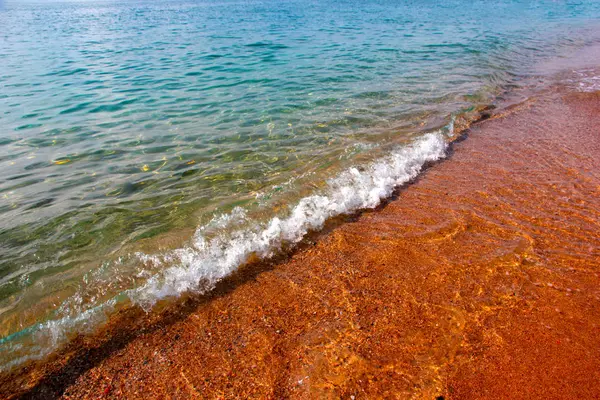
(481, 280)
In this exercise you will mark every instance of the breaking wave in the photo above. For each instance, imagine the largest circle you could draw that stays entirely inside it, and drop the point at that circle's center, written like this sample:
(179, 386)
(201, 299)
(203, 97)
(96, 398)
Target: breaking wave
(208, 259)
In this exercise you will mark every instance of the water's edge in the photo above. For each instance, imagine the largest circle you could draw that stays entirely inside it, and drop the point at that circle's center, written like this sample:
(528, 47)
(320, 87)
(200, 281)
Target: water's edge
(208, 268)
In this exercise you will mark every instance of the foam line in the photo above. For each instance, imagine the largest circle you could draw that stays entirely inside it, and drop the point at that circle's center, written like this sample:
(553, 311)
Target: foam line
(199, 266)
(206, 261)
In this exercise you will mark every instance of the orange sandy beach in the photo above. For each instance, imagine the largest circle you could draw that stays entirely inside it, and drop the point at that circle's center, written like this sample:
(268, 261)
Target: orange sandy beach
(481, 280)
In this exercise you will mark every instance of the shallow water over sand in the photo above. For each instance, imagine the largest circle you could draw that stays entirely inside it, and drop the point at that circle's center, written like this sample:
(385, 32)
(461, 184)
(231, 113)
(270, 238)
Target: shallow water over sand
(479, 280)
(149, 149)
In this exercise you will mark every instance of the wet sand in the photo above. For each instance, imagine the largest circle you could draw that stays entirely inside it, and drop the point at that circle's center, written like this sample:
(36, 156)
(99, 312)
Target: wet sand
(479, 280)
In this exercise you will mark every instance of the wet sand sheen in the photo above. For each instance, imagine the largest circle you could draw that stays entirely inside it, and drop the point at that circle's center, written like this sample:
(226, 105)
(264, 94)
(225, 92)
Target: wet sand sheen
(479, 281)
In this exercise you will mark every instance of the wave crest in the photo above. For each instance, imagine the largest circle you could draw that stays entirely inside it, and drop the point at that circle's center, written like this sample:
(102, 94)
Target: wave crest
(206, 261)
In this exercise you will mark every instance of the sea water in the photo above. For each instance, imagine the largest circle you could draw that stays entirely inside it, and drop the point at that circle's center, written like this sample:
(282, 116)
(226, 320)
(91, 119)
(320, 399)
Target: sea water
(150, 148)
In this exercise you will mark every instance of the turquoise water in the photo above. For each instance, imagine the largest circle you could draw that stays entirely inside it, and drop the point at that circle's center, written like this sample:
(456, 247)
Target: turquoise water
(149, 148)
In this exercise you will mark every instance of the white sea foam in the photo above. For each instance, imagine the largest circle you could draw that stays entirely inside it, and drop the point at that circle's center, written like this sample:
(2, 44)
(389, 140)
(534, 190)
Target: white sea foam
(44, 338)
(590, 84)
(212, 256)
(585, 80)
(206, 261)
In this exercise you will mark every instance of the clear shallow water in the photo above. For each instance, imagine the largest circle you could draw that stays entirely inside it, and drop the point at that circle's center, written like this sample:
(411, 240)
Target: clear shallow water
(150, 148)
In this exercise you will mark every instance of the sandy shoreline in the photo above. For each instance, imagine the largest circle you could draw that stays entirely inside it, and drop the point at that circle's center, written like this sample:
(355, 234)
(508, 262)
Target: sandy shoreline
(479, 281)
